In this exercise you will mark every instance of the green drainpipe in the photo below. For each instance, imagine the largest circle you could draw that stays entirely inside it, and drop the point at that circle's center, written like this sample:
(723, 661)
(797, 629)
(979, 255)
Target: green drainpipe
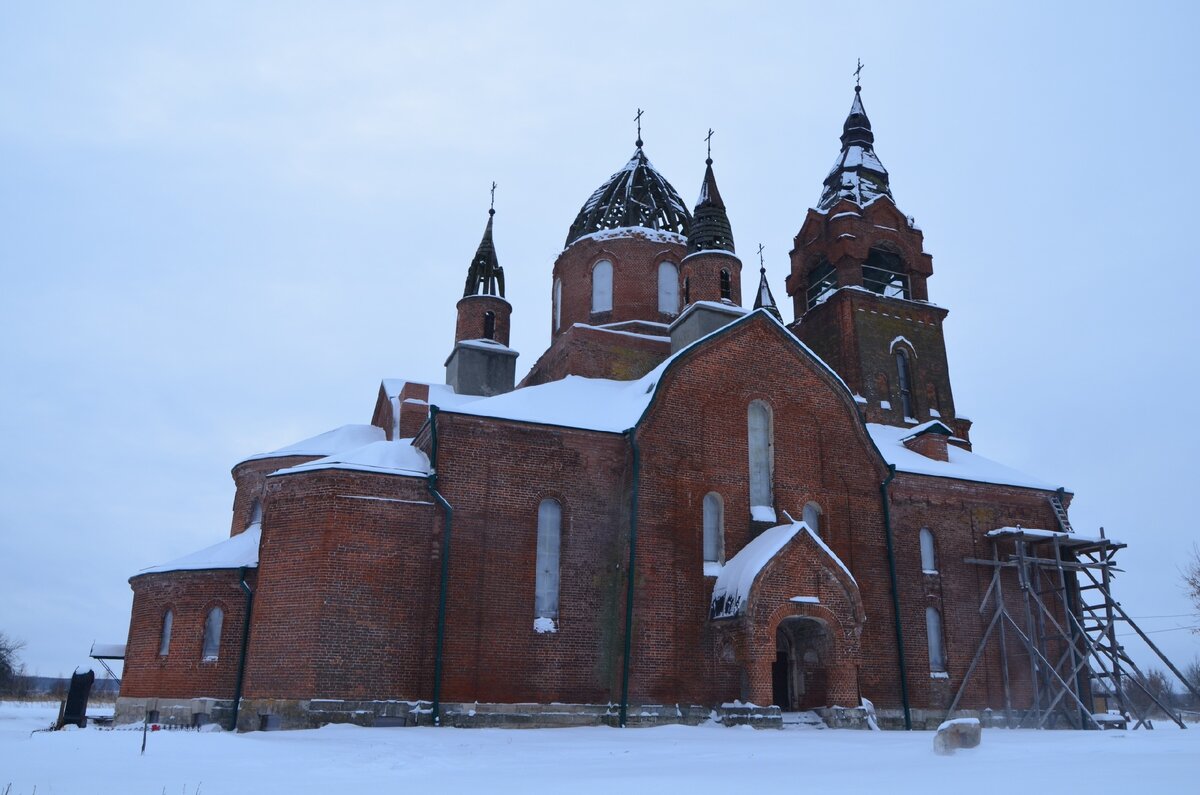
(630, 575)
(891, 553)
(445, 578)
(241, 671)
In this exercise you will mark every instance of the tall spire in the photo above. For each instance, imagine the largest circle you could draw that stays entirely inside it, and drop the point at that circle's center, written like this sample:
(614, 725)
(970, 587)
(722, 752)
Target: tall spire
(485, 276)
(763, 298)
(857, 175)
(710, 224)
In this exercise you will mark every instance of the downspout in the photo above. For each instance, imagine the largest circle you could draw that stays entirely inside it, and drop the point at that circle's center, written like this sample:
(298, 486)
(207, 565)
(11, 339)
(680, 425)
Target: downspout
(241, 670)
(630, 575)
(891, 554)
(448, 512)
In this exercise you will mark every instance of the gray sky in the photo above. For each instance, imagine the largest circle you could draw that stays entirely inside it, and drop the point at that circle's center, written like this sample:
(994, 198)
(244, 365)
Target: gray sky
(221, 226)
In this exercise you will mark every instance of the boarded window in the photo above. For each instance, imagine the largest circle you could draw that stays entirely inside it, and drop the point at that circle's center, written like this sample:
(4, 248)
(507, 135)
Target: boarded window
(212, 633)
(255, 512)
(904, 380)
(937, 649)
(549, 538)
(812, 517)
(762, 453)
(714, 528)
(602, 286)
(557, 304)
(668, 288)
(164, 640)
(928, 555)
(489, 325)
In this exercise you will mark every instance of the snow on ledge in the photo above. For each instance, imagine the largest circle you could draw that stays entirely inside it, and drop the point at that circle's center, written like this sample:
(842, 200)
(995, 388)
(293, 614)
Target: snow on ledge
(806, 600)
(543, 625)
(347, 437)
(233, 553)
(712, 568)
(763, 513)
(383, 457)
(1001, 532)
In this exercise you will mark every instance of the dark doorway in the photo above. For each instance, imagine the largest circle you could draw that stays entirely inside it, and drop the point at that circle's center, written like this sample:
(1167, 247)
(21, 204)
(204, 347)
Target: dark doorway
(799, 675)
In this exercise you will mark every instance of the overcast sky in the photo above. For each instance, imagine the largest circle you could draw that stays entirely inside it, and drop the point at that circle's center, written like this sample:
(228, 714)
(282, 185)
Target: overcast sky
(221, 225)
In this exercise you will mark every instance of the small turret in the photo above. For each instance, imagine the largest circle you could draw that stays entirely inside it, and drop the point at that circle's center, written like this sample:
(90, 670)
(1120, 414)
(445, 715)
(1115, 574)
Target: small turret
(481, 362)
(711, 270)
(762, 297)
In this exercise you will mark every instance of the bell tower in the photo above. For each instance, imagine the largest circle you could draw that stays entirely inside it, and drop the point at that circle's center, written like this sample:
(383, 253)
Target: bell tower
(481, 362)
(858, 284)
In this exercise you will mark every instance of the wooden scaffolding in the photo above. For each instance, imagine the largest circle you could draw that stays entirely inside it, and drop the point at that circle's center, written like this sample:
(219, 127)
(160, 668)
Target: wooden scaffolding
(1065, 630)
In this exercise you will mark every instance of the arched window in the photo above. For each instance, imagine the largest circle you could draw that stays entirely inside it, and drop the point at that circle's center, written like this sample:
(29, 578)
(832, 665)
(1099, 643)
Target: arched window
(928, 555)
(668, 288)
(549, 537)
(164, 640)
(602, 286)
(822, 281)
(255, 512)
(937, 649)
(762, 454)
(812, 517)
(903, 379)
(212, 634)
(883, 273)
(726, 288)
(489, 325)
(557, 304)
(714, 528)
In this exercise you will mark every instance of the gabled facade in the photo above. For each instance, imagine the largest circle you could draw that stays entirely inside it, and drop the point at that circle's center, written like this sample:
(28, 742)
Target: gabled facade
(684, 505)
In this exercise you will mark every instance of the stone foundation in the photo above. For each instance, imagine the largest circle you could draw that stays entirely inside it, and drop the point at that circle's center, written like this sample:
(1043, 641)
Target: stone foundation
(174, 711)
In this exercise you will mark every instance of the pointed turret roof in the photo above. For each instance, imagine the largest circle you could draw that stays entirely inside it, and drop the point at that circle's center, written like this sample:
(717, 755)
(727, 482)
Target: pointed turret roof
(710, 224)
(485, 276)
(637, 195)
(857, 175)
(763, 298)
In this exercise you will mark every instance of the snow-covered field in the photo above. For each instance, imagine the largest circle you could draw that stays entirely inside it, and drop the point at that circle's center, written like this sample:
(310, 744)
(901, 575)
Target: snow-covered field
(670, 759)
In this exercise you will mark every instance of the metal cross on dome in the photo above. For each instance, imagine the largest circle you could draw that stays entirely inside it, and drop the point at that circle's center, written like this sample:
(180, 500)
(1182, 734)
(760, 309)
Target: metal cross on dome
(638, 119)
(858, 74)
(761, 265)
(708, 139)
(493, 204)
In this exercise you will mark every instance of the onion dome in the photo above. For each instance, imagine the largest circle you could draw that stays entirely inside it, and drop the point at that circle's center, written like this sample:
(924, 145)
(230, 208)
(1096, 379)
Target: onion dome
(710, 224)
(485, 276)
(857, 175)
(637, 195)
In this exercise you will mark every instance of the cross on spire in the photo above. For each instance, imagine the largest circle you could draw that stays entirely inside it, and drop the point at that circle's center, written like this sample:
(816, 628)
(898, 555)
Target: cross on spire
(858, 75)
(638, 119)
(492, 206)
(762, 268)
(708, 140)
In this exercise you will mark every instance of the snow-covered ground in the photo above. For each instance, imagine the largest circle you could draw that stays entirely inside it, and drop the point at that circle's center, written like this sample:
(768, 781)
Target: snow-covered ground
(670, 759)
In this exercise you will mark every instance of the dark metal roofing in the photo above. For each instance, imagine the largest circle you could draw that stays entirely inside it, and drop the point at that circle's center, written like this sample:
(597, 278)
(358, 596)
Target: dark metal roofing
(637, 195)
(485, 276)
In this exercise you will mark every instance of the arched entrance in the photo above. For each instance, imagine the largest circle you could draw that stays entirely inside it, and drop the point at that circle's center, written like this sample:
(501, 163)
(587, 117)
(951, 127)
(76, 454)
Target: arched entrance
(799, 676)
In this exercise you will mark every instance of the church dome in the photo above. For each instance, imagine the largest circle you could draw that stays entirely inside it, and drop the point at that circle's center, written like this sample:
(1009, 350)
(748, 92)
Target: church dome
(637, 195)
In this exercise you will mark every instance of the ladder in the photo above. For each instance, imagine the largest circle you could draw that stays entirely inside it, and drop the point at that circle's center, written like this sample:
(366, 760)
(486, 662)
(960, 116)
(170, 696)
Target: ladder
(1060, 512)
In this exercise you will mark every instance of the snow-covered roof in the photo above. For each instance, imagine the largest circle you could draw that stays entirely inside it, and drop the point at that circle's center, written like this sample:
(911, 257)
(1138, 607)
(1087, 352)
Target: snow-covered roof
(388, 458)
(594, 404)
(1033, 532)
(732, 588)
(107, 651)
(963, 465)
(232, 553)
(346, 437)
(441, 395)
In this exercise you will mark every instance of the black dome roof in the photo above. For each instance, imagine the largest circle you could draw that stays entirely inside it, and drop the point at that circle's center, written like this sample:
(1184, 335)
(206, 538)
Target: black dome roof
(637, 195)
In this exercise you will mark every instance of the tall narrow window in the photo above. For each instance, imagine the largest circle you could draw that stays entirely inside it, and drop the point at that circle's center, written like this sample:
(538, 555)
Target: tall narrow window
(255, 512)
(904, 381)
(557, 304)
(687, 290)
(602, 286)
(164, 640)
(668, 288)
(726, 287)
(928, 555)
(762, 453)
(489, 325)
(714, 528)
(549, 537)
(212, 634)
(937, 650)
(812, 517)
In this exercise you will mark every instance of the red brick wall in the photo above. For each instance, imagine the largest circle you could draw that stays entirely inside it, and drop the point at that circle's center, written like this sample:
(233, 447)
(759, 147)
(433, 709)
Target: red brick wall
(471, 312)
(250, 479)
(635, 262)
(599, 353)
(704, 270)
(182, 673)
(347, 589)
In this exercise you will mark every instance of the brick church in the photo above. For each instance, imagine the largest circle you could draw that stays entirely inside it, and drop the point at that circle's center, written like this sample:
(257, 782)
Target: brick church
(688, 507)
